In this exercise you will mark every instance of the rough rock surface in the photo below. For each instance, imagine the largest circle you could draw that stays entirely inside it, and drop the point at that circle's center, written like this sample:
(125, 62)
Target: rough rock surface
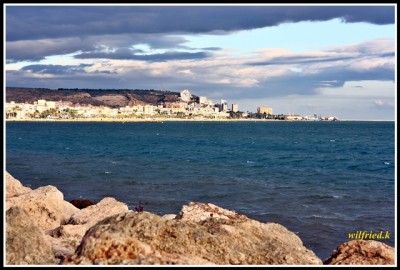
(364, 252)
(25, 242)
(90, 215)
(62, 225)
(129, 237)
(45, 205)
(169, 216)
(201, 211)
(42, 228)
(14, 187)
(72, 232)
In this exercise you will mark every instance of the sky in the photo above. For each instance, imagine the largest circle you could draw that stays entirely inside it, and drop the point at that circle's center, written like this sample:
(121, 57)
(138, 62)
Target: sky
(330, 60)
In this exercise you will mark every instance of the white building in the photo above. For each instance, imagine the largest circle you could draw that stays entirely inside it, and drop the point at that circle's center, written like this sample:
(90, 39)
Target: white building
(148, 109)
(50, 104)
(41, 102)
(293, 117)
(223, 105)
(235, 107)
(202, 100)
(185, 95)
(263, 109)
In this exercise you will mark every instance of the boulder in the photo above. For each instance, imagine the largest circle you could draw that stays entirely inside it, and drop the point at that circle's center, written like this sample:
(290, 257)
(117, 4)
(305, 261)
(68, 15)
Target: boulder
(196, 212)
(92, 214)
(169, 216)
(364, 252)
(14, 187)
(71, 233)
(223, 238)
(25, 242)
(45, 205)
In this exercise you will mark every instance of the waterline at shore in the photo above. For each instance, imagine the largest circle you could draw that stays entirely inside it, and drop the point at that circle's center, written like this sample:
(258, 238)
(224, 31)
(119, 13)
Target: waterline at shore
(142, 120)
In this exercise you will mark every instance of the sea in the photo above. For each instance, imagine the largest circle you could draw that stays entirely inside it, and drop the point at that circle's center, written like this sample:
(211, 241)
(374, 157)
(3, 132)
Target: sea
(321, 180)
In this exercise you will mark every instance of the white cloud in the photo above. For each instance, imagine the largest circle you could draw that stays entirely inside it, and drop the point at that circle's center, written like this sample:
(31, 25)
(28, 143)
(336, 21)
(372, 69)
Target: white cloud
(381, 104)
(374, 63)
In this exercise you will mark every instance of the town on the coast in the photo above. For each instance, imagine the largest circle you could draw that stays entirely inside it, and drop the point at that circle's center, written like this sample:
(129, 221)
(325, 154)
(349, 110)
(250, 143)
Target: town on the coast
(187, 106)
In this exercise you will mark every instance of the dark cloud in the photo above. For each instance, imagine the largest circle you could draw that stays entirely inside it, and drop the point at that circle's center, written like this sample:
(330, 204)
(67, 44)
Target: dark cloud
(107, 80)
(126, 54)
(41, 22)
(56, 69)
(299, 60)
(358, 52)
(36, 50)
(122, 46)
(166, 42)
(34, 32)
(211, 48)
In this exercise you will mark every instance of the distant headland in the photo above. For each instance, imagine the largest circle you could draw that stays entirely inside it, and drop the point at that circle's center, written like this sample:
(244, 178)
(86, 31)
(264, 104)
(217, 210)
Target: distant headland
(73, 104)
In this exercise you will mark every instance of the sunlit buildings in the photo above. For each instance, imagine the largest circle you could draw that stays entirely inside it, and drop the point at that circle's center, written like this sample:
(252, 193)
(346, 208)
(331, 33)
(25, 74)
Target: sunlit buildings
(266, 110)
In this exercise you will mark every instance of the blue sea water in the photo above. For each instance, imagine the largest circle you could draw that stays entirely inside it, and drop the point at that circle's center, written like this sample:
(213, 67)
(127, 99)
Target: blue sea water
(321, 180)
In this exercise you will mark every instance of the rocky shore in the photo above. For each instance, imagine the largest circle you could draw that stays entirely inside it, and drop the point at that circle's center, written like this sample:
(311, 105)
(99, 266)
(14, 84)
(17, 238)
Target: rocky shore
(44, 229)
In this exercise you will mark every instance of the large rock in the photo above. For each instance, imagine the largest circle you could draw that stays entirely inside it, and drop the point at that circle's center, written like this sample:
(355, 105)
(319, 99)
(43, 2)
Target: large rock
(365, 252)
(25, 242)
(70, 234)
(94, 213)
(196, 212)
(45, 205)
(14, 187)
(221, 238)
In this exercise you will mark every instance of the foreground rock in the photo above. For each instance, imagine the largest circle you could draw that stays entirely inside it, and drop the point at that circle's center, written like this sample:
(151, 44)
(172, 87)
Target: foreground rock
(45, 205)
(14, 187)
(365, 252)
(61, 224)
(43, 228)
(25, 242)
(224, 237)
(71, 233)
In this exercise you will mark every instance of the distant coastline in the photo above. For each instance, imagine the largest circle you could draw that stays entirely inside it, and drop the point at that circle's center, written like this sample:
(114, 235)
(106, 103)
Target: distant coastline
(143, 120)
(140, 120)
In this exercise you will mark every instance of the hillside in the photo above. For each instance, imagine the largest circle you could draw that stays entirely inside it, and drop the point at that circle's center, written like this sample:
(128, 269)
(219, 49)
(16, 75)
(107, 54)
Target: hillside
(96, 97)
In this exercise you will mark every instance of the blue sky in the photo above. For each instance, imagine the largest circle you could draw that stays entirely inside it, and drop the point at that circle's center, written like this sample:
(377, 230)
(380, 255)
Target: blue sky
(337, 60)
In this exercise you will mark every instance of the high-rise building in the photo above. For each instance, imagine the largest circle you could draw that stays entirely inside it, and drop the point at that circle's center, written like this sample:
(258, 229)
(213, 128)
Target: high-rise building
(223, 105)
(235, 107)
(262, 110)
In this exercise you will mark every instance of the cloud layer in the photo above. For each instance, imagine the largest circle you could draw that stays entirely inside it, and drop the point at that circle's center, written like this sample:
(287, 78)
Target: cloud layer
(41, 22)
(53, 30)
